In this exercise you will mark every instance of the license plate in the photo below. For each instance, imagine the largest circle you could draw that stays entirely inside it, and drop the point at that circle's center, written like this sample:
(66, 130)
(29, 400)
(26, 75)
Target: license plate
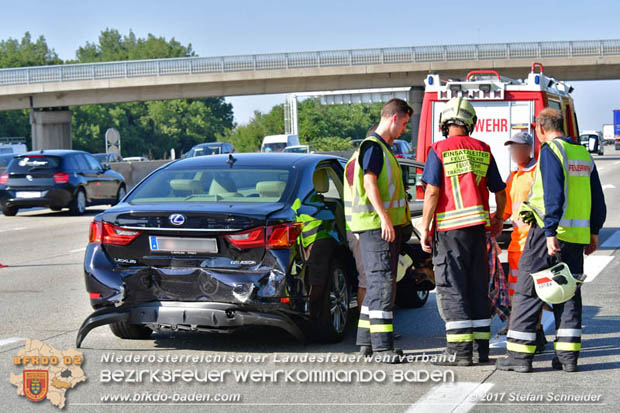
(28, 194)
(169, 244)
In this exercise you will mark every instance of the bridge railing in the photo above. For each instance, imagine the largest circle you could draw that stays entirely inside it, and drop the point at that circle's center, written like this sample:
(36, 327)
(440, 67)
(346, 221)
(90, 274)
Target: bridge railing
(201, 65)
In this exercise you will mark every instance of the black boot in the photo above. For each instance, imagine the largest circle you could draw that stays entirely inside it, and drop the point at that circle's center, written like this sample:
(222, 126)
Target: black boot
(512, 364)
(365, 351)
(567, 367)
(394, 356)
(450, 359)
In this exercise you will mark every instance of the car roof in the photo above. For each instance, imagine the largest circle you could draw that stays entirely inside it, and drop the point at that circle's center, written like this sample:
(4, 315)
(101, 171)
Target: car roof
(52, 152)
(211, 144)
(277, 160)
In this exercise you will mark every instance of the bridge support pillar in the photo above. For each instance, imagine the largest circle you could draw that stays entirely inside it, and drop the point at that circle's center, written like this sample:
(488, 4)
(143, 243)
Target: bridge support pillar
(51, 129)
(416, 96)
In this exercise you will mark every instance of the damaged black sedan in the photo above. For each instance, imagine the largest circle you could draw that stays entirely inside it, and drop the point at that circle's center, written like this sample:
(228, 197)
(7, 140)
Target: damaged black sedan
(221, 242)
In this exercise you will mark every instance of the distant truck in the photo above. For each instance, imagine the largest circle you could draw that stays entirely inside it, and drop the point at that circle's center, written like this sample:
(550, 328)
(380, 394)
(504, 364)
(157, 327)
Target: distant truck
(277, 143)
(15, 148)
(608, 134)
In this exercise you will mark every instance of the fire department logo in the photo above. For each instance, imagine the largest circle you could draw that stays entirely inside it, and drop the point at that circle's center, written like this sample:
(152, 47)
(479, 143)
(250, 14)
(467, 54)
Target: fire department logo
(46, 373)
(35, 384)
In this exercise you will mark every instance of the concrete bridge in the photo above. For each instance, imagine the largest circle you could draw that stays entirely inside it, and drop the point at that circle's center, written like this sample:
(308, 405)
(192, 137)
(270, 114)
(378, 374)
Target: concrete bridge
(46, 87)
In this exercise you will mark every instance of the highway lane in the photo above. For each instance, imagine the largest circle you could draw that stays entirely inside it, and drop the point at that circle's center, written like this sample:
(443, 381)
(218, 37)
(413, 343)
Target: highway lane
(43, 297)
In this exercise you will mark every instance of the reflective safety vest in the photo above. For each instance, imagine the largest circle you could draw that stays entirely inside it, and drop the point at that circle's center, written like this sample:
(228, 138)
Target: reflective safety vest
(359, 212)
(464, 198)
(313, 229)
(577, 164)
(518, 188)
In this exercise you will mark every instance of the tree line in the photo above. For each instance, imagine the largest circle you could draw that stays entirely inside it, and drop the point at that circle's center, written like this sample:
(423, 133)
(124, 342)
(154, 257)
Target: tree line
(152, 128)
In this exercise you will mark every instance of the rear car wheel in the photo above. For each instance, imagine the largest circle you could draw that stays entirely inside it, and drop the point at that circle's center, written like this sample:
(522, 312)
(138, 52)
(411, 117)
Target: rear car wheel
(120, 194)
(78, 203)
(408, 295)
(10, 211)
(333, 318)
(123, 329)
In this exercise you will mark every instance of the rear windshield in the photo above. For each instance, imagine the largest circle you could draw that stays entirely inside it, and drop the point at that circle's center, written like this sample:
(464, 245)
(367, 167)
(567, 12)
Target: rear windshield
(297, 150)
(31, 163)
(246, 185)
(205, 150)
(4, 160)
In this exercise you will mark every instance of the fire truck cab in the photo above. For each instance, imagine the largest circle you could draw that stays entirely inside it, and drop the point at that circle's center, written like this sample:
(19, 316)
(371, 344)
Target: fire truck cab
(504, 106)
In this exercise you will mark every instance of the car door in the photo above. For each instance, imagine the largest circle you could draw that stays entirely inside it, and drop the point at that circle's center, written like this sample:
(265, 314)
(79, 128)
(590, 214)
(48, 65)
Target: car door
(85, 174)
(104, 184)
(89, 172)
(412, 174)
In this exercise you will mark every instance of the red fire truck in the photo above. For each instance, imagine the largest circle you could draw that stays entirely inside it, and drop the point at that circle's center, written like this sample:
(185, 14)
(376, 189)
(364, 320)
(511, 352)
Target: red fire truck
(504, 106)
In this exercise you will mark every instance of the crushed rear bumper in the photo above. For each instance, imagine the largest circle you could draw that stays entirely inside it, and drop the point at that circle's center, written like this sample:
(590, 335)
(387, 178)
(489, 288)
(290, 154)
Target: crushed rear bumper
(191, 316)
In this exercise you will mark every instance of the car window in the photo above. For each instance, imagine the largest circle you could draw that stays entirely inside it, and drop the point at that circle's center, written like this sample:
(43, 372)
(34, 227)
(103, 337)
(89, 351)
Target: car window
(92, 163)
(69, 164)
(204, 184)
(82, 163)
(274, 147)
(410, 179)
(335, 185)
(33, 162)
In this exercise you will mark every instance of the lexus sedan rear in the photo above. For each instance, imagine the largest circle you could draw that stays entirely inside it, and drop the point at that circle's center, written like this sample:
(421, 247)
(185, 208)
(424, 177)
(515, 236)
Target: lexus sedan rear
(220, 242)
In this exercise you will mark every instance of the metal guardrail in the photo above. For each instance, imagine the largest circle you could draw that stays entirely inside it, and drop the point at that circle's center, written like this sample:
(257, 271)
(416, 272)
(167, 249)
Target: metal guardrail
(201, 65)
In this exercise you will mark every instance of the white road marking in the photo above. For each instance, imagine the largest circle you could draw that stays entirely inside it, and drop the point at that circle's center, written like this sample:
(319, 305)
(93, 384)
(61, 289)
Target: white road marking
(616, 163)
(78, 250)
(609, 186)
(593, 265)
(12, 229)
(451, 397)
(10, 340)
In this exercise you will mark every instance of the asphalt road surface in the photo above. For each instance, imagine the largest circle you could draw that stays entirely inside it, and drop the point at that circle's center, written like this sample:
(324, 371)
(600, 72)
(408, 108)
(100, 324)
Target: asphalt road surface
(42, 297)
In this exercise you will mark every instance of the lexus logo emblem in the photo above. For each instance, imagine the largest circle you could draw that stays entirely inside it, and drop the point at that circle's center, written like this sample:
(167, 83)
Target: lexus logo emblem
(177, 219)
(29, 177)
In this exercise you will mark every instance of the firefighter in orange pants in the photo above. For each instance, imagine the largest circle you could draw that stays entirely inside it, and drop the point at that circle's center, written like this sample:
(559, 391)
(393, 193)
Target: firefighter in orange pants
(518, 188)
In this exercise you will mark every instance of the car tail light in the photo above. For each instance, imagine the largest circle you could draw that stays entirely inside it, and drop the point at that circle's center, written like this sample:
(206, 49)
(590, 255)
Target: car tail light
(398, 156)
(61, 178)
(4, 179)
(252, 238)
(272, 236)
(419, 190)
(94, 295)
(283, 235)
(108, 234)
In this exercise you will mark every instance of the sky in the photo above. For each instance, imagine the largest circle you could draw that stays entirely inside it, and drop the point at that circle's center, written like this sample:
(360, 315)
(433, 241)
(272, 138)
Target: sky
(216, 28)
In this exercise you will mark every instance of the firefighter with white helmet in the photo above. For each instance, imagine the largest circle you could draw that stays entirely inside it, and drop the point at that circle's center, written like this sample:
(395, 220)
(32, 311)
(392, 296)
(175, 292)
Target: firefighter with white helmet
(566, 209)
(459, 173)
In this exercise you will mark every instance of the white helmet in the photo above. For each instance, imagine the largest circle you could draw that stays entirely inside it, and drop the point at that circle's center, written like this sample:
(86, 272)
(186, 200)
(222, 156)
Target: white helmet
(555, 285)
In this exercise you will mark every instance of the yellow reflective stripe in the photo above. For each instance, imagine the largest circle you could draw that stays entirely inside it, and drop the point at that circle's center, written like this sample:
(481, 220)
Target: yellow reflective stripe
(456, 192)
(363, 324)
(482, 336)
(459, 212)
(459, 338)
(562, 346)
(381, 328)
(520, 348)
(447, 224)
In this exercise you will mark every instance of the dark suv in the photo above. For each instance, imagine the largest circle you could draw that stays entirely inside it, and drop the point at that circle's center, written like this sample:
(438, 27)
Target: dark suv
(58, 179)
